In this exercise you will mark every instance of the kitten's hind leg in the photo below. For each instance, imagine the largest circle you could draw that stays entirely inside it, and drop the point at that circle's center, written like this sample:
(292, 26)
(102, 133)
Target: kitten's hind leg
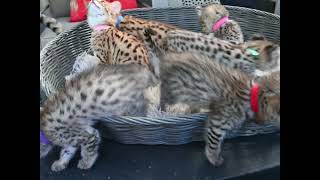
(214, 139)
(66, 155)
(89, 148)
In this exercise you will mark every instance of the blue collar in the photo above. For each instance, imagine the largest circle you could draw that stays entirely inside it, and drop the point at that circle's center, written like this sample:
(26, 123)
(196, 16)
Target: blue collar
(119, 20)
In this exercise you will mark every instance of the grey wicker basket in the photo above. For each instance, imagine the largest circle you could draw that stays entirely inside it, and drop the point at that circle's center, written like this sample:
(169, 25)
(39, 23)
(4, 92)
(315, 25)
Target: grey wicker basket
(182, 3)
(57, 58)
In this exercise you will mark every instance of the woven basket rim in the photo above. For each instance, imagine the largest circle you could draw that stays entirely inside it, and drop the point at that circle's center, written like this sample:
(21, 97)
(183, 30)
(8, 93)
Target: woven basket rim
(52, 42)
(192, 7)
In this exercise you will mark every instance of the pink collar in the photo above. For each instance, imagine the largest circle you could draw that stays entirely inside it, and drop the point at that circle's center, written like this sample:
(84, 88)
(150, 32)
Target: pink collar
(221, 22)
(254, 99)
(101, 27)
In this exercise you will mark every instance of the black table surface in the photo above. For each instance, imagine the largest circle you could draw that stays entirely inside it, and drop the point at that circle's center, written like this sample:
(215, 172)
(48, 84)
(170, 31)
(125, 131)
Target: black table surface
(117, 161)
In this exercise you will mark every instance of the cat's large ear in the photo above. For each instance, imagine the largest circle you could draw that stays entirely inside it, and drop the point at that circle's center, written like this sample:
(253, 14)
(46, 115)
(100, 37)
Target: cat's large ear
(272, 51)
(199, 10)
(116, 6)
(258, 37)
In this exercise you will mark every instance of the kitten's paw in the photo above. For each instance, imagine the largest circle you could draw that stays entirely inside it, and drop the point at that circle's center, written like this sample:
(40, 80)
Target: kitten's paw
(87, 162)
(178, 108)
(58, 166)
(215, 159)
(149, 31)
(82, 164)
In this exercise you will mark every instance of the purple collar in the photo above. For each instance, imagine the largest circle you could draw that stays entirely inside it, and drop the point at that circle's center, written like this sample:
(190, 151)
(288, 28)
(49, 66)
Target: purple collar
(43, 139)
(105, 26)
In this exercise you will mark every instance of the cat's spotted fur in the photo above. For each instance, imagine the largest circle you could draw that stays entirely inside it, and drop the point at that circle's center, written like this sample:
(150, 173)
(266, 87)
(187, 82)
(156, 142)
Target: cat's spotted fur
(210, 15)
(234, 56)
(112, 46)
(151, 33)
(196, 81)
(67, 117)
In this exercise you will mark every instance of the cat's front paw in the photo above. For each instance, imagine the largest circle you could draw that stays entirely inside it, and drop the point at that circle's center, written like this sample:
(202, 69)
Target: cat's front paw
(82, 164)
(87, 162)
(58, 166)
(215, 159)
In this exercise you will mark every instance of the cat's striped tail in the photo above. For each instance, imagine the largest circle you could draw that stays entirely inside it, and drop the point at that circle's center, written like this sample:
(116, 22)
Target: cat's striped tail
(51, 23)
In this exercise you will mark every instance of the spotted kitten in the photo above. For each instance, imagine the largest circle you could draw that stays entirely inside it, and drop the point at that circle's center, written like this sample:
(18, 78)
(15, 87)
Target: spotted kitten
(251, 57)
(230, 96)
(67, 117)
(214, 19)
(151, 33)
(110, 45)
